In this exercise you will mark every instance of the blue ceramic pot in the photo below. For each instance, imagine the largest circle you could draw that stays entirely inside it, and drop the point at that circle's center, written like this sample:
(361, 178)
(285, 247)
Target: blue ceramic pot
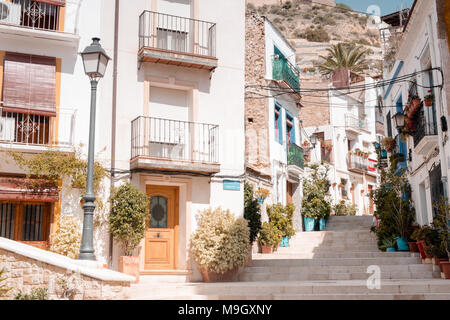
(402, 244)
(261, 200)
(322, 224)
(284, 242)
(309, 223)
(390, 250)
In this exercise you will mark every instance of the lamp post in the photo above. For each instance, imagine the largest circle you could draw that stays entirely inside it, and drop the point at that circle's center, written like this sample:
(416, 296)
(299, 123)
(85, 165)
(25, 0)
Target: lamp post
(95, 61)
(399, 119)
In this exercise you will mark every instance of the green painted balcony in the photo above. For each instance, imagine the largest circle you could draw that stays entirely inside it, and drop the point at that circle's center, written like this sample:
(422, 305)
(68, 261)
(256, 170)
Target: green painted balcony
(296, 156)
(286, 72)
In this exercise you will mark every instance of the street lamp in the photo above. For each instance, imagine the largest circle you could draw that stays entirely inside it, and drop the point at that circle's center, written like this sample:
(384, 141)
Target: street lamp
(313, 140)
(399, 119)
(95, 61)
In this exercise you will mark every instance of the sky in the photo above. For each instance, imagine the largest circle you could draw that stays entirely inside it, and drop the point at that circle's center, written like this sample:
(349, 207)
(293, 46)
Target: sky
(386, 6)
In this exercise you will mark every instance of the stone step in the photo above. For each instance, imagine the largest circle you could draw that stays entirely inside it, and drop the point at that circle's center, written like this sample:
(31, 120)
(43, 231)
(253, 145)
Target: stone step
(415, 268)
(347, 254)
(271, 288)
(325, 249)
(336, 262)
(335, 276)
(426, 296)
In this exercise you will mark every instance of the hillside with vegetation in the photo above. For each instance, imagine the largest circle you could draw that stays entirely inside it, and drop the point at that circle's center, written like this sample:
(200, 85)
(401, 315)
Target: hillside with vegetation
(311, 29)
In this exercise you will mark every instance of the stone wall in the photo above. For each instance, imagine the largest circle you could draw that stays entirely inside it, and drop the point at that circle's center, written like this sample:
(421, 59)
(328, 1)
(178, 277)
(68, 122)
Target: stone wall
(23, 274)
(315, 109)
(257, 152)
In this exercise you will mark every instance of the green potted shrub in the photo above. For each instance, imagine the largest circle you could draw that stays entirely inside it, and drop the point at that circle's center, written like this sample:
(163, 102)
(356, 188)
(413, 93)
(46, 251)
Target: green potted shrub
(269, 237)
(316, 203)
(220, 244)
(389, 244)
(127, 224)
(281, 217)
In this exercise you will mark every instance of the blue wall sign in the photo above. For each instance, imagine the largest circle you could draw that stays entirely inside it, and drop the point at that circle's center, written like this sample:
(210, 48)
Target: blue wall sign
(231, 185)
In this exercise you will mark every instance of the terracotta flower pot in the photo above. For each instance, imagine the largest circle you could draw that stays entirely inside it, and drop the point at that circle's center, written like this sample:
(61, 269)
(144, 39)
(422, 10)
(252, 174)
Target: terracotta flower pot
(130, 266)
(421, 250)
(416, 103)
(211, 276)
(446, 269)
(266, 249)
(440, 263)
(428, 102)
(413, 247)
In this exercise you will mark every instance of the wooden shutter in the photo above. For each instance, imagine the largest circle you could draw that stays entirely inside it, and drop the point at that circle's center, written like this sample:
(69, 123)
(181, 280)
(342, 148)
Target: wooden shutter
(29, 84)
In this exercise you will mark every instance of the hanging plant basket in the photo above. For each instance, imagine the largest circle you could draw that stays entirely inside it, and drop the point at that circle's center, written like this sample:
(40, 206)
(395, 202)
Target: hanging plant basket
(429, 98)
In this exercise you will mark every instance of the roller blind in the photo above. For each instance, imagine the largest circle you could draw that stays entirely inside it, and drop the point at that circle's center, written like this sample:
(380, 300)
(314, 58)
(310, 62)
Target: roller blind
(29, 84)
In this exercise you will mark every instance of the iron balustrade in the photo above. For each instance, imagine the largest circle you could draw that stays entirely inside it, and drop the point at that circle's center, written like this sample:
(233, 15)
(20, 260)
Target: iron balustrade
(38, 130)
(423, 128)
(31, 14)
(285, 71)
(354, 122)
(179, 34)
(358, 162)
(174, 139)
(296, 156)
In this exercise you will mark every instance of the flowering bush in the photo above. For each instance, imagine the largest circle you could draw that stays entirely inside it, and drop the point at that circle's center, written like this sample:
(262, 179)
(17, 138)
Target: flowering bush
(67, 240)
(269, 235)
(262, 193)
(221, 241)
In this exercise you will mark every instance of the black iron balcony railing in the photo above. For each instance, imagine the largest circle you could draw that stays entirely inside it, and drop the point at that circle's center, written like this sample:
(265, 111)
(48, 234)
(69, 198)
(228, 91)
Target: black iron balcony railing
(32, 14)
(353, 122)
(423, 128)
(296, 156)
(356, 162)
(178, 34)
(175, 140)
(285, 71)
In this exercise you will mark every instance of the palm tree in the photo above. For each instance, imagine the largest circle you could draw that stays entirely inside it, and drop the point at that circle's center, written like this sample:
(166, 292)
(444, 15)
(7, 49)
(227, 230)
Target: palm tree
(344, 56)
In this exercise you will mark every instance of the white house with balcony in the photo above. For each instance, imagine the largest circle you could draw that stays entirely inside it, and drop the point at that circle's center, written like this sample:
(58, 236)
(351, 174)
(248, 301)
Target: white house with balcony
(346, 144)
(421, 146)
(170, 113)
(274, 155)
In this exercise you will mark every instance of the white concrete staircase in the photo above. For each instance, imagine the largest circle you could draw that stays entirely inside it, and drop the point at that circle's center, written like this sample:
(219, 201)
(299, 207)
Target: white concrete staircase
(325, 265)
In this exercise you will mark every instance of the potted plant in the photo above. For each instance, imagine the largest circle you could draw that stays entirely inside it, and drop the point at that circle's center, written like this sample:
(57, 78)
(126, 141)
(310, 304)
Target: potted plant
(269, 237)
(252, 214)
(261, 194)
(428, 99)
(389, 143)
(403, 220)
(281, 217)
(415, 101)
(127, 224)
(220, 244)
(389, 244)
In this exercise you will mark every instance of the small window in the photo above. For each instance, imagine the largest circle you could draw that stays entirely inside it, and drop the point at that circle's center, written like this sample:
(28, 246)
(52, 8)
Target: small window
(290, 129)
(278, 125)
(158, 212)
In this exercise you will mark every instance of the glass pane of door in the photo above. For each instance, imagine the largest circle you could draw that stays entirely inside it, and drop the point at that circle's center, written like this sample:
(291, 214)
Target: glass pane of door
(158, 212)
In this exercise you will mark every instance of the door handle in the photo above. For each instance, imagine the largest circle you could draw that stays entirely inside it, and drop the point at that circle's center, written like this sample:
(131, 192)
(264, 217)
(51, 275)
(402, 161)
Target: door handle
(158, 235)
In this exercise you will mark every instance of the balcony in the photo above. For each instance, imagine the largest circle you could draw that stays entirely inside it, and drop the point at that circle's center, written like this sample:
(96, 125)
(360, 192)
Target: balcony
(425, 135)
(286, 72)
(43, 20)
(164, 144)
(295, 161)
(357, 163)
(177, 41)
(354, 124)
(36, 132)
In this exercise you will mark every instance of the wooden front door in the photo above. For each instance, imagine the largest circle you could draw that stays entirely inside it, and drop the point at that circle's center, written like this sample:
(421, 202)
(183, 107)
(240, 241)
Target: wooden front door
(162, 229)
(289, 193)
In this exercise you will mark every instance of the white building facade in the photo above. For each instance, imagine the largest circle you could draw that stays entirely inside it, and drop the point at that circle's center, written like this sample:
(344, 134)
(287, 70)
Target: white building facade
(424, 148)
(170, 109)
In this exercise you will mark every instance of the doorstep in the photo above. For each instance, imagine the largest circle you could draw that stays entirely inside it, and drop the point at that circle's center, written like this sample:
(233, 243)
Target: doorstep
(165, 272)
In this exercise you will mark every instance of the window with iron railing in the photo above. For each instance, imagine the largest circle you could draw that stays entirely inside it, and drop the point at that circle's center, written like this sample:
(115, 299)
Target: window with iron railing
(35, 14)
(179, 34)
(424, 127)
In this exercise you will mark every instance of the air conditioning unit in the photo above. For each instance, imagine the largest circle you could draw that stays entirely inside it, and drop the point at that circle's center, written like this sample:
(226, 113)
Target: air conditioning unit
(10, 12)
